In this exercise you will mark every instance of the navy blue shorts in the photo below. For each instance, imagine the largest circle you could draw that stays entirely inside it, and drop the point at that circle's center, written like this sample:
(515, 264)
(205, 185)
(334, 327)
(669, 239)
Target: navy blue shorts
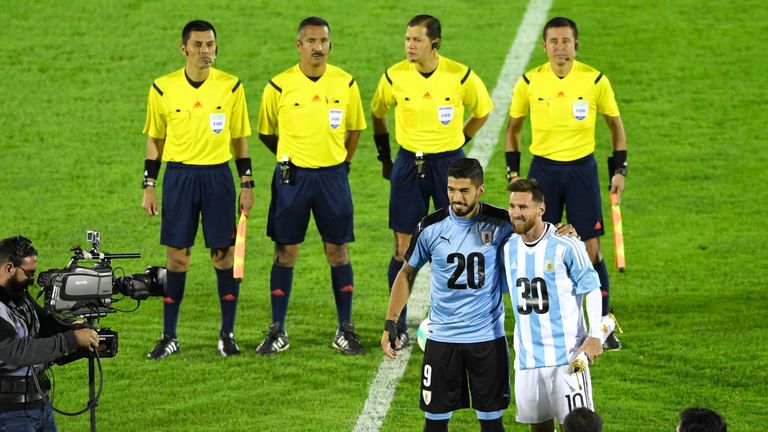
(409, 194)
(323, 191)
(193, 190)
(575, 187)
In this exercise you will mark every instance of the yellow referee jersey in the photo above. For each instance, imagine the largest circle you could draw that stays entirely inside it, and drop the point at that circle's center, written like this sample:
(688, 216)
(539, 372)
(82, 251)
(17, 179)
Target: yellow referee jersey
(429, 112)
(563, 111)
(311, 117)
(197, 124)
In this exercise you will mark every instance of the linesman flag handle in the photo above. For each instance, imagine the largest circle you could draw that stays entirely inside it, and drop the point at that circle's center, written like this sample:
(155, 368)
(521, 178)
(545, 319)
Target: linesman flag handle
(618, 233)
(239, 268)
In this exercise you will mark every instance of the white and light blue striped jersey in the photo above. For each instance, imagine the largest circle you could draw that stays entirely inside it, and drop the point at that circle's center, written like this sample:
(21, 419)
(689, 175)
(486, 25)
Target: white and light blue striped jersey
(465, 291)
(546, 282)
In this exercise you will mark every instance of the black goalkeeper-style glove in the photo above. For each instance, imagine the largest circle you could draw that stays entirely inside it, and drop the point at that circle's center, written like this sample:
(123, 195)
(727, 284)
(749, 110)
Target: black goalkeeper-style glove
(391, 328)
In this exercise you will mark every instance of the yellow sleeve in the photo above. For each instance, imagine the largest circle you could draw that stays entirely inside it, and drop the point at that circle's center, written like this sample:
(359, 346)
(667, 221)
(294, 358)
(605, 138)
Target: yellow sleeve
(476, 97)
(519, 106)
(382, 98)
(606, 100)
(355, 113)
(155, 124)
(268, 110)
(240, 126)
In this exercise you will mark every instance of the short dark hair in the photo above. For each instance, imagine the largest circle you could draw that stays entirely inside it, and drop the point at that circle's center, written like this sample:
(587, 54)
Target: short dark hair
(15, 249)
(467, 168)
(528, 185)
(432, 24)
(701, 420)
(196, 25)
(312, 21)
(560, 22)
(582, 420)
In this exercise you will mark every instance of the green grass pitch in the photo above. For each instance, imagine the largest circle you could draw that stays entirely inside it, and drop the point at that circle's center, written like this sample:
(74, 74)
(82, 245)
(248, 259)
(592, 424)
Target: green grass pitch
(692, 301)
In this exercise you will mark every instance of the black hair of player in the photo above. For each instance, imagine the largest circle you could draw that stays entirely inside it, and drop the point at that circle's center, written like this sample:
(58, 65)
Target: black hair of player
(562, 22)
(582, 420)
(701, 420)
(432, 24)
(198, 26)
(467, 168)
(16, 249)
(528, 185)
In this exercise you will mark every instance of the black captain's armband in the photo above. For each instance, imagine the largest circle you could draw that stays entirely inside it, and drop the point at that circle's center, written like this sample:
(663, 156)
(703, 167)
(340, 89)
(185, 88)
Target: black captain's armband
(151, 168)
(243, 166)
(382, 147)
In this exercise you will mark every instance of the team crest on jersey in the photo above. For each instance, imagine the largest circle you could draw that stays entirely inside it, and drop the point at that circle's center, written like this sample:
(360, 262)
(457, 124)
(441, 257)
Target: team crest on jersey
(580, 109)
(427, 396)
(486, 236)
(549, 267)
(217, 122)
(334, 117)
(445, 114)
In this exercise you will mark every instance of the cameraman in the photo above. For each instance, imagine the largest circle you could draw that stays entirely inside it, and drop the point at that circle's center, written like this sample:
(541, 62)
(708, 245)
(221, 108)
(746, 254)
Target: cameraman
(30, 338)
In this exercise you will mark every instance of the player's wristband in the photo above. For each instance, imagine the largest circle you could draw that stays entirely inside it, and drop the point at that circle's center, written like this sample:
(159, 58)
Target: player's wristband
(513, 162)
(151, 168)
(382, 147)
(620, 162)
(243, 167)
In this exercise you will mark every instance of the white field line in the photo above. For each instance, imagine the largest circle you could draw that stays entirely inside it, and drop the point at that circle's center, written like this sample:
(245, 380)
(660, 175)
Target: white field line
(382, 388)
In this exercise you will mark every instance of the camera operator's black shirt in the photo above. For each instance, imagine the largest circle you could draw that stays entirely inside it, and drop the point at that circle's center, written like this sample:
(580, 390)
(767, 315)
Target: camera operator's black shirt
(53, 339)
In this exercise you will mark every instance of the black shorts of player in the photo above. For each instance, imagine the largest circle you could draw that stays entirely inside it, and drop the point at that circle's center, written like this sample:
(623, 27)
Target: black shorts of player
(409, 193)
(323, 191)
(451, 372)
(191, 191)
(575, 187)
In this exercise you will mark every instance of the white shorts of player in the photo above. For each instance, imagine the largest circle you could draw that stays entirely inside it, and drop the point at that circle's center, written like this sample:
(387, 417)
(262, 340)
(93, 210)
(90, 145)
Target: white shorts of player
(546, 393)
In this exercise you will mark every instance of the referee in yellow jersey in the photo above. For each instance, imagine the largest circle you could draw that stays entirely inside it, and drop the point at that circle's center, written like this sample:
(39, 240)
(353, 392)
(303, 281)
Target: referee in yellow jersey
(194, 114)
(564, 98)
(310, 118)
(429, 93)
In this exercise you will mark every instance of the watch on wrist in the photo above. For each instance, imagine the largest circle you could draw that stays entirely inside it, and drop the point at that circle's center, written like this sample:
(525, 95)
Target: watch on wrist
(512, 174)
(247, 184)
(148, 183)
(621, 170)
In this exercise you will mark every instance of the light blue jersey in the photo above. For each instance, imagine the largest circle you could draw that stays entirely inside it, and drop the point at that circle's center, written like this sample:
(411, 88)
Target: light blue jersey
(546, 281)
(465, 291)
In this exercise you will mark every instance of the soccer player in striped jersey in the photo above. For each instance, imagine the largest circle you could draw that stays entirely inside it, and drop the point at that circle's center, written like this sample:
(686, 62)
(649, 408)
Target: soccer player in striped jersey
(548, 277)
(466, 351)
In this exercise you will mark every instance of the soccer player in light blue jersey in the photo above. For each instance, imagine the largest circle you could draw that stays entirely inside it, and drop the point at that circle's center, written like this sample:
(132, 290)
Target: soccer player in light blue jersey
(549, 277)
(466, 351)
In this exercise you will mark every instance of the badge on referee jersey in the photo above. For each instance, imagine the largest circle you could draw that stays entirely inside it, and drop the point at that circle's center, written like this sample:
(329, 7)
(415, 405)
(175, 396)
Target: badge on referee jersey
(217, 122)
(445, 114)
(486, 236)
(334, 117)
(580, 109)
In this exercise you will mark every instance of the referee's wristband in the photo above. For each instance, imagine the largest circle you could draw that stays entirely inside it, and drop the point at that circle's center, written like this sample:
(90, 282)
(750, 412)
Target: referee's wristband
(248, 184)
(620, 162)
(243, 167)
(513, 162)
(151, 168)
(382, 147)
